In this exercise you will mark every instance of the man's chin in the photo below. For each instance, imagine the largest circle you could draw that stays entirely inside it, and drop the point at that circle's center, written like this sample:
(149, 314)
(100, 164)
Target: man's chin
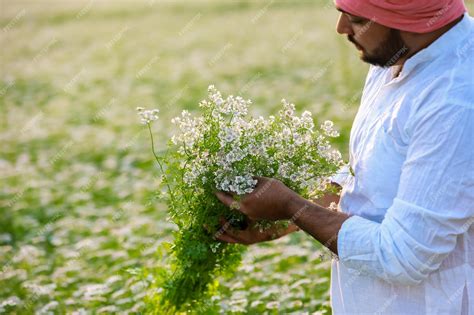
(373, 60)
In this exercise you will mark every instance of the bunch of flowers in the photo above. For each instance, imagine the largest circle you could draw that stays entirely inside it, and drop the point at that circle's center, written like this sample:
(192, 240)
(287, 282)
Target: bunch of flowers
(225, 149)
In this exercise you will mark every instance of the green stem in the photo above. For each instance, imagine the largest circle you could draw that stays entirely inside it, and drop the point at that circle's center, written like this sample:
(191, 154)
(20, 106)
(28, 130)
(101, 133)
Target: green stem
(322, 174)
(160, 165)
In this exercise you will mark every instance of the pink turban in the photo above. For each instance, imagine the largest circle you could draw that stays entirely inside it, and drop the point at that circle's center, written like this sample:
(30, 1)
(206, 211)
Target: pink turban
(418, 16)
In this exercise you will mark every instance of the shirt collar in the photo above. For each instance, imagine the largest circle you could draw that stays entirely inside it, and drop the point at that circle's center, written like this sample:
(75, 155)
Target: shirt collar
(444, 44)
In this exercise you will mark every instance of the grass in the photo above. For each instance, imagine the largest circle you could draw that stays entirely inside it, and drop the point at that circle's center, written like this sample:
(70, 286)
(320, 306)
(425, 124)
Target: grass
(78, 216)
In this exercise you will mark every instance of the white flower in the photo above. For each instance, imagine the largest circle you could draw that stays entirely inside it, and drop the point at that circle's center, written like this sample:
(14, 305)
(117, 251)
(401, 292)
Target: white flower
(147, 116)
(288, 109)
(89, 291)
(230, 157)
(323, 148)
(296, 121)
(307, 120)
(272, 305)
(336, 157)
(327, 128)
(299, 140)
(191, 129)
(47, 309)
(306, 115)
(227, 135)
(333, 206)
(327, 125)
(293, 177)
(39, 290)
(285, 169)
(286, 133)
(11, 301)
(240, 184)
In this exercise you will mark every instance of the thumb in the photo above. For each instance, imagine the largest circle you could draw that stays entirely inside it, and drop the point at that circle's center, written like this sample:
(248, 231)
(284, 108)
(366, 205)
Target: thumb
(224, 198)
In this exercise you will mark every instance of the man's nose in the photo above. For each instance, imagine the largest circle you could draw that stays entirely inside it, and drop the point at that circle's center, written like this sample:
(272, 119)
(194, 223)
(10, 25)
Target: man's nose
(343, 25)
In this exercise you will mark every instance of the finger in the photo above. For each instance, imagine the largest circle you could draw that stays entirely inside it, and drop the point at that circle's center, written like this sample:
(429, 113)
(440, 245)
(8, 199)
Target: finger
(226, 238)
(233, 194)
(235, 234)
(240, 237)
(225, 225)
(223, 221)
(263, 184)
(262, 179)
(279, 232)
(224, 198)
(247, 236)
(292, 228)
(252, 219)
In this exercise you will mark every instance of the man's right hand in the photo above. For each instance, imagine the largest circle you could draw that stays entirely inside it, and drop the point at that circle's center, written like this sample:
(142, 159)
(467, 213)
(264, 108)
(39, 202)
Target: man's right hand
(253, 235)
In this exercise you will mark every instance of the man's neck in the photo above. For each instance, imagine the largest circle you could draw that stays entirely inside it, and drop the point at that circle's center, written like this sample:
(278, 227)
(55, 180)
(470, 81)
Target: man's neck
(396, 69)
(417, 42)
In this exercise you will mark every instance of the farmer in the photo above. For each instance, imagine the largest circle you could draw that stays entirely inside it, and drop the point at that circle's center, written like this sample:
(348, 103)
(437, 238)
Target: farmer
(404, 231)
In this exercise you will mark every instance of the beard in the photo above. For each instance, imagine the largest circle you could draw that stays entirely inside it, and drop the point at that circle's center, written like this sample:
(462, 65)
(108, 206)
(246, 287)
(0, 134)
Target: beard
(390, 50)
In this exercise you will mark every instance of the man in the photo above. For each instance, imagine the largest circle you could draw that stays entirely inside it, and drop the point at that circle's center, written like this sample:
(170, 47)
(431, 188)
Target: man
(404, 230)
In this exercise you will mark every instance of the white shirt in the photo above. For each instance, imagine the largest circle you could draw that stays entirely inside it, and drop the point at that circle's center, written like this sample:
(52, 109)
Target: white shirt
(409, 246)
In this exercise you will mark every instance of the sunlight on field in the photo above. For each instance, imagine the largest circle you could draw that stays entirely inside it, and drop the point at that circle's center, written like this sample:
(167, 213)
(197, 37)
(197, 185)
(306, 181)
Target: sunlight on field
(78, 217)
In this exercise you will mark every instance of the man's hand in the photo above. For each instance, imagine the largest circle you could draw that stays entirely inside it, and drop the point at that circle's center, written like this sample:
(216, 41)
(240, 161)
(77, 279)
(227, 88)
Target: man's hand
(252, 233)
(270, 200)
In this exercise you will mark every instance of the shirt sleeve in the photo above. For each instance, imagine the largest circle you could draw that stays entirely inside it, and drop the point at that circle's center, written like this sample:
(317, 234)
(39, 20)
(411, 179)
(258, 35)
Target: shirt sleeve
(434, 203)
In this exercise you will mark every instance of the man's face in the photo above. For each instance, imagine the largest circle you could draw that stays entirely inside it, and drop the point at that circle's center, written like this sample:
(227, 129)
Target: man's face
(378, 45)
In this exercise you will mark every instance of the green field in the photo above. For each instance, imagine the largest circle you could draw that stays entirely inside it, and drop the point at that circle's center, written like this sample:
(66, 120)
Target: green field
(78, 219)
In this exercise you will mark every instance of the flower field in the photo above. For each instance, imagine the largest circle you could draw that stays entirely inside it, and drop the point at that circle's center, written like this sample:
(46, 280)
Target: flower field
(80, 214)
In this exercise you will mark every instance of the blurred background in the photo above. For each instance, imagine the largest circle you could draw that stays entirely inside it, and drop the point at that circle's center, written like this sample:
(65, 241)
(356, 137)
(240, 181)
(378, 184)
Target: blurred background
(78, 220)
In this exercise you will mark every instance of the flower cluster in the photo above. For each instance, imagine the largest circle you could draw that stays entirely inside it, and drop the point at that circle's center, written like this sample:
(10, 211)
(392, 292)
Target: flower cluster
(286, 147)
(225, 149)
(147, 116)
(328, 128)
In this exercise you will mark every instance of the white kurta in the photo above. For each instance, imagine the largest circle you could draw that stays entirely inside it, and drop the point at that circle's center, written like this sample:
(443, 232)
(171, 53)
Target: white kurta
(409, 246)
